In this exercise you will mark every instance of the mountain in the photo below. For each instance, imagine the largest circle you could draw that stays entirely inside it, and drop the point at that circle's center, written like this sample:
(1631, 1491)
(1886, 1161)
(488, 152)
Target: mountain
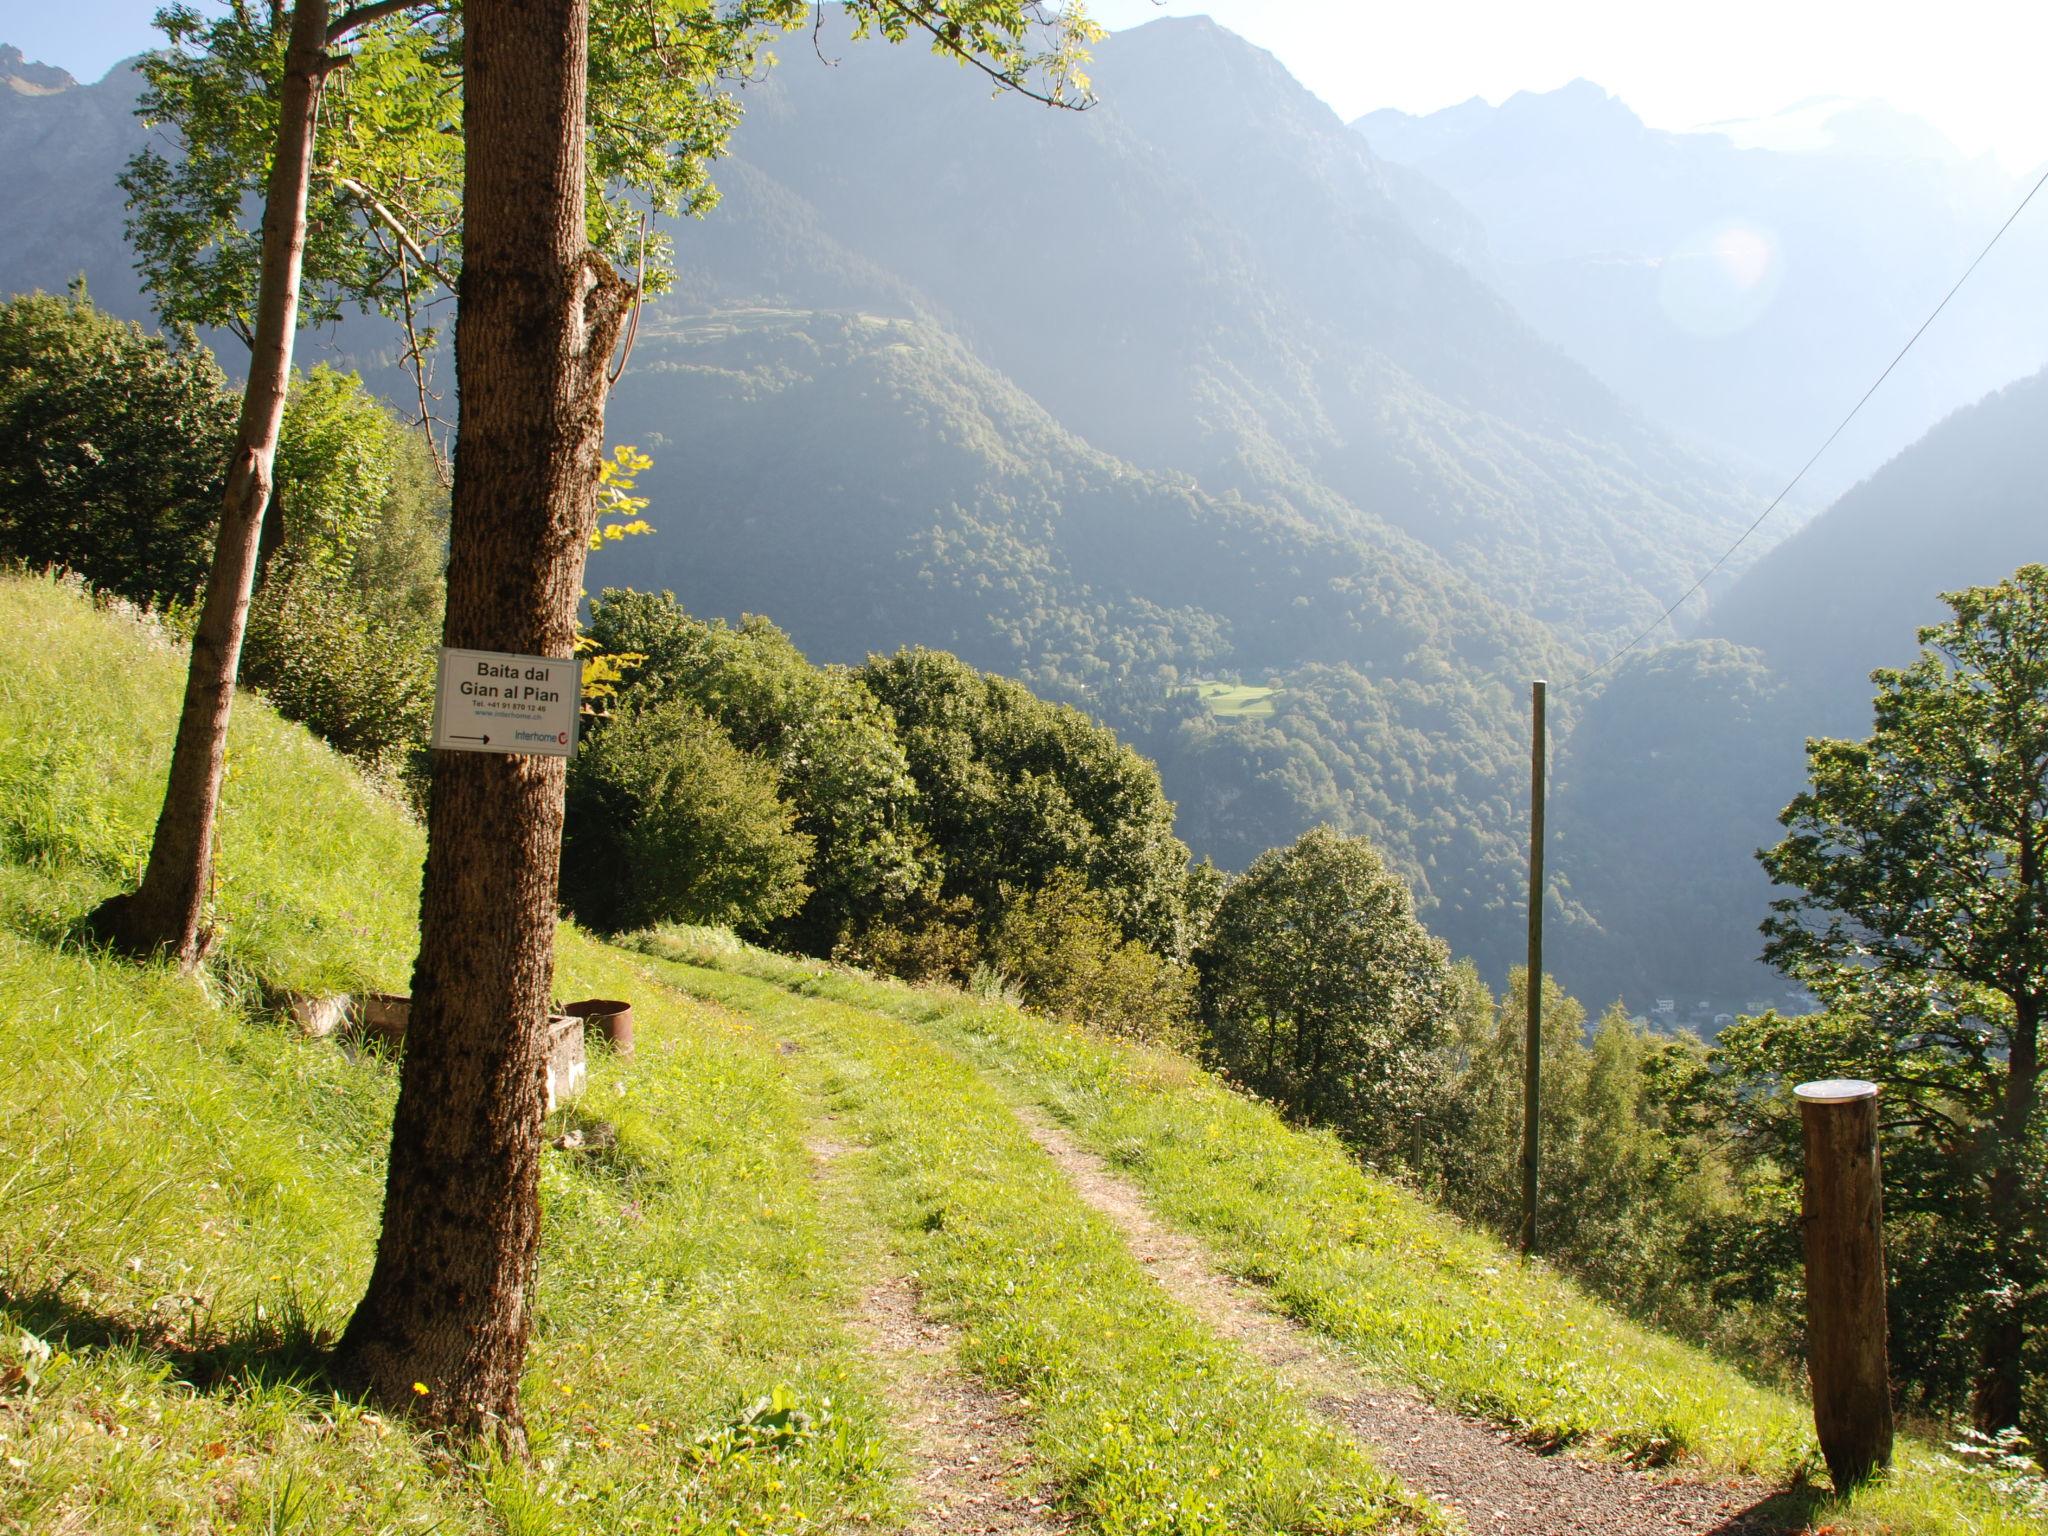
(1206, 274)
(61, 146)
(1745, 284)
(1679, 766)
(905, 493)
(1168, 393)
(1964, 506)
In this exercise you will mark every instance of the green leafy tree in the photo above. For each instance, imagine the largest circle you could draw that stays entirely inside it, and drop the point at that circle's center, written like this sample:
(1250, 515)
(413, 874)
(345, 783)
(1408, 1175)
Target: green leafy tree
(831, 744)
(336, 457)
(448, 1304)
(360, 116)
(669, 821)
(1484, 1176)
(1921, 924)
(111, 446)
(1015, 790)
(1320, 990)
(114, 441)
(1628, 1177)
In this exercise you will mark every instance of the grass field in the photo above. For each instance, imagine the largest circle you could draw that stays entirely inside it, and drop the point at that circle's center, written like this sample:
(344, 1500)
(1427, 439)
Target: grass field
(1410, 1292)
(1231, 700)
(189, 1193)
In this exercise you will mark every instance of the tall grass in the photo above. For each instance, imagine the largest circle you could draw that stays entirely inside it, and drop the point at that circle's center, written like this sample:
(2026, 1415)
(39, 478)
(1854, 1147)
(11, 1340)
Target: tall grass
(189, 1192)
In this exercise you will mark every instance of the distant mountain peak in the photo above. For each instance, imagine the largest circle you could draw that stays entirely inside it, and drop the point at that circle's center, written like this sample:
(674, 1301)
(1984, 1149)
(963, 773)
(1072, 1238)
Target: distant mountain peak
(25, 77)
(1863, 127)
(1580, 102)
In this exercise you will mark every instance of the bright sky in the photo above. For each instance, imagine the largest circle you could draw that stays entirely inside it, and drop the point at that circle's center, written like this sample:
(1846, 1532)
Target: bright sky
(1971, 67)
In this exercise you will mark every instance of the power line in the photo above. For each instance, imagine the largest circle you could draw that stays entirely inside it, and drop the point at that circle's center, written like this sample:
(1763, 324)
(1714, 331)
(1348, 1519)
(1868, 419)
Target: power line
(1707, 575)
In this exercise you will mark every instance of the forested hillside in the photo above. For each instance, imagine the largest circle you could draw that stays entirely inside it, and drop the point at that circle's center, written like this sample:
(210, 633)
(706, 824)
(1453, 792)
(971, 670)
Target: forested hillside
(1162, 390)
(1003, 537)
(1680, 765)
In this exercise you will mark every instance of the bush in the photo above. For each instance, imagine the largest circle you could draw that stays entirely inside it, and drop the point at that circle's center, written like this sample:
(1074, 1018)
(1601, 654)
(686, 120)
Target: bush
(365, 688)
(928, 940)
(669, 822)
(1067, 958)
(113, 448)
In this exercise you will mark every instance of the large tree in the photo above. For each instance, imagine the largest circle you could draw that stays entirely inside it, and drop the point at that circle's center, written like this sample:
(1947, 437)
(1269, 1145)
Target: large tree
(441, 1331)
(344, 128)
(1321, 990)
(167, 911)
(1921, 924)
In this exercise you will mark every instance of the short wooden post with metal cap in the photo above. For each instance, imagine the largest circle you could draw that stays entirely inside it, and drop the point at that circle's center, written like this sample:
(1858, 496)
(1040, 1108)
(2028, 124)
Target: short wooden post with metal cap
(1845, 1285)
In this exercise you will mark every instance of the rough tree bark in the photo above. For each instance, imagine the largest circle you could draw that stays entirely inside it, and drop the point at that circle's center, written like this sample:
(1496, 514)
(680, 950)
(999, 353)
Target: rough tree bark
(1997, 1400)
(448, 1303)
(167, 911)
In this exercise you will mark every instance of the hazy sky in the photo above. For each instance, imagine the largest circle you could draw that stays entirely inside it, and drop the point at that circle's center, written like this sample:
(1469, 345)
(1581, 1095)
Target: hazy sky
(1972, 67)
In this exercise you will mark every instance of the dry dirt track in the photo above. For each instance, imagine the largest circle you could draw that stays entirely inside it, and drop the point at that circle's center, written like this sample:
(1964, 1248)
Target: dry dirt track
(966, 1443)
(1496, 1484)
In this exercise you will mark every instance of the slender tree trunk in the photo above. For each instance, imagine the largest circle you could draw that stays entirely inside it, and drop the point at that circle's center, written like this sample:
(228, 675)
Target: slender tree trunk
(167, 912)
(448, 1301)
(1996, 1401)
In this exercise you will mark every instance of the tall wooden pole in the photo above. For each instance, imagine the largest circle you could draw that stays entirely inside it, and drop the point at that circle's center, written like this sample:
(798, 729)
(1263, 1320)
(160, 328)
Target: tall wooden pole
(1845, 1300)
(1532, 1035)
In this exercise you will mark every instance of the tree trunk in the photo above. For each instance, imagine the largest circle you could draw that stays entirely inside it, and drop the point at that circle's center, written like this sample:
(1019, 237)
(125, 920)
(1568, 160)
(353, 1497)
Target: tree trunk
(1995, 1403)
(448, 1301)
(167, 912)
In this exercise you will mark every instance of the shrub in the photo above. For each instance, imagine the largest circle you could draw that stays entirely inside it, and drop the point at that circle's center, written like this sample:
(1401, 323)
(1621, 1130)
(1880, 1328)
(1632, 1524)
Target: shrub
(1067, 958)
(929, 939)
(113, 448)
(669, 822)
(366, 688)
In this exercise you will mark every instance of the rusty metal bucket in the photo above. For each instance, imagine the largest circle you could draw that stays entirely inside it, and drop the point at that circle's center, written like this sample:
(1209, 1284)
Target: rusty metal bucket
(610, 1017)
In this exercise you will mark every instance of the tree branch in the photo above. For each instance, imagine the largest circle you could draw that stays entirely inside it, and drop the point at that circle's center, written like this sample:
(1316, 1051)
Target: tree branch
(950, 39)
(363, 15)
(416, 355)
(372, 203)
(639, 301)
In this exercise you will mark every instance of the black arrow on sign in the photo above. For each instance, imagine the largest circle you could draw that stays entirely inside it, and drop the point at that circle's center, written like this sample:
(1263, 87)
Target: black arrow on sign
(484, 739)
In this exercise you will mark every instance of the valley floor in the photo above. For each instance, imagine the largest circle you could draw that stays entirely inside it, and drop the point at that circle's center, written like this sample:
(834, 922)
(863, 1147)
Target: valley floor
(824, 1254)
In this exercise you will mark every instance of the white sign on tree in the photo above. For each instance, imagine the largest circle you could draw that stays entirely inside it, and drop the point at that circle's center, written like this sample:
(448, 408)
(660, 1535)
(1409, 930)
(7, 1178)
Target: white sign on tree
(491, 701)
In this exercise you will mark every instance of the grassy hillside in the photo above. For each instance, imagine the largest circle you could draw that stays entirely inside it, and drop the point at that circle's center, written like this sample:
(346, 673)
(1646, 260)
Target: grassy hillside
(188, 1196)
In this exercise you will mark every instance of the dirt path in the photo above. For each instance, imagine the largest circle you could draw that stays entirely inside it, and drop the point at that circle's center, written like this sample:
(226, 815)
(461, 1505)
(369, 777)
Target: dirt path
(1465, 1464)
(966, 1443)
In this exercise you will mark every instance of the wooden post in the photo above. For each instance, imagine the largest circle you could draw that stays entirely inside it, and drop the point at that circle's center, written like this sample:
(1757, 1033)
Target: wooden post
(1532, 1034)
(1845, 1300)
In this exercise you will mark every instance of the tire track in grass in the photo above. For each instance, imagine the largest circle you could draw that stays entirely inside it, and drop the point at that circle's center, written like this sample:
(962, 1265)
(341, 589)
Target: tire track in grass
(965, 1443)
(1143, 1421)
(1496, 1483)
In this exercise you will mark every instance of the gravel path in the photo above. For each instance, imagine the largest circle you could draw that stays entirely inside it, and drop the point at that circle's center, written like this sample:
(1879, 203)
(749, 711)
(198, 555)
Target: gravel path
(1495, 1483)
(966, 1443)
